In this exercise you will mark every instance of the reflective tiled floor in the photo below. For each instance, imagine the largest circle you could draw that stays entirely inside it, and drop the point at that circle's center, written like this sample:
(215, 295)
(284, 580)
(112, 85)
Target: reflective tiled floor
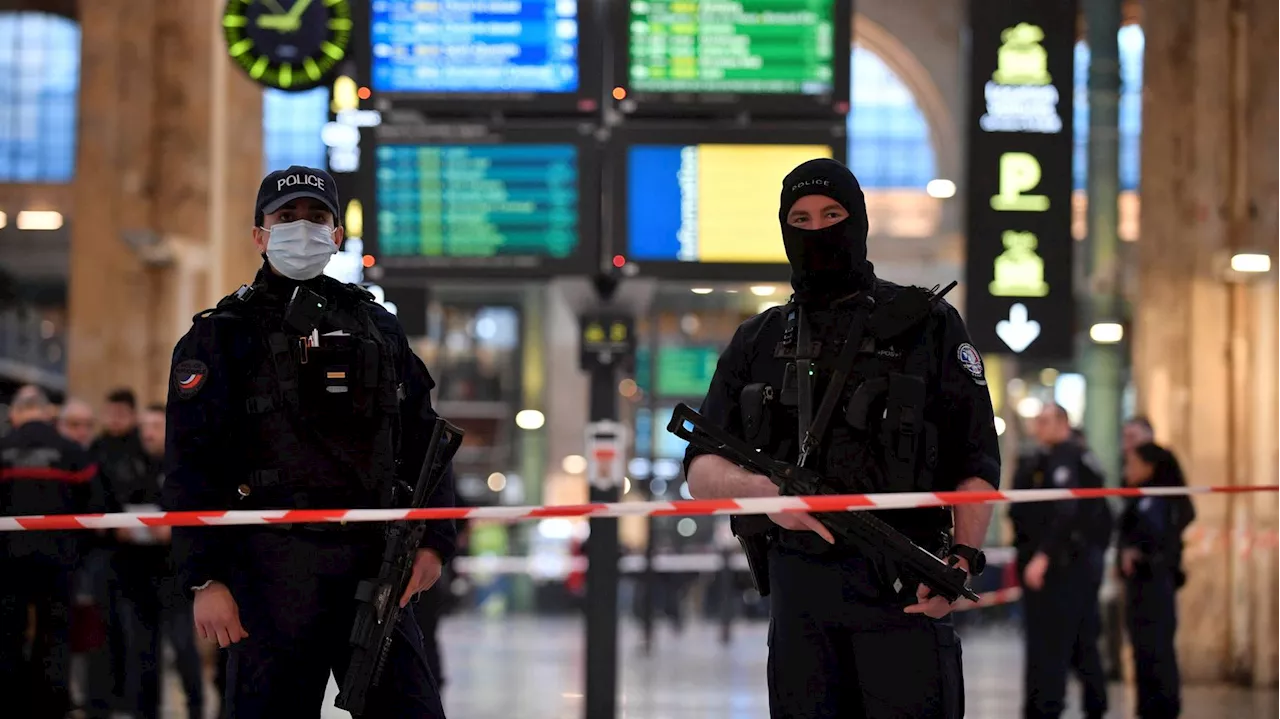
(529, 668)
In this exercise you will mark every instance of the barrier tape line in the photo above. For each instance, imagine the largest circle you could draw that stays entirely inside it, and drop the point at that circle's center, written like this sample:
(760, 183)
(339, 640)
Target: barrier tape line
(695, 507)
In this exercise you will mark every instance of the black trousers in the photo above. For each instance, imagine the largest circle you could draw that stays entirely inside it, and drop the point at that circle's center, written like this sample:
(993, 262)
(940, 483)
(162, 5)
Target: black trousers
(35, 685)
(840, 646)
(1151, 613)
(1063, 624)
(296, 594)
(105, 686)
(151, 614)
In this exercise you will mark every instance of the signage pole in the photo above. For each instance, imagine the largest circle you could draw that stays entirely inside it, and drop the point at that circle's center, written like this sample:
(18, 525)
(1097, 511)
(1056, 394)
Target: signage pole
(607, 344)
(1103, 364)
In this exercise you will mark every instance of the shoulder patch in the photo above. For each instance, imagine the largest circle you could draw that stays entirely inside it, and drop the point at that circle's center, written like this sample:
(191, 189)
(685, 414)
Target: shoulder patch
(188, 377)
(971, 361)
(1061, 476)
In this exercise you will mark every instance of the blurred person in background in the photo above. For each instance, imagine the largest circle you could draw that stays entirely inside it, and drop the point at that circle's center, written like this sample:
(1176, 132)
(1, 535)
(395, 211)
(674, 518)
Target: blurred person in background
(76, 422)
(123, 467)
(1151, 563)
(1060, 553)
(1136, 432)
(151, 604)
(41, 472)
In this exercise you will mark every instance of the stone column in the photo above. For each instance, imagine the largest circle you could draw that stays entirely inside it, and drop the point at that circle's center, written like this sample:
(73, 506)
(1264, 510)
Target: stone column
(1204, 348)
(170, 155)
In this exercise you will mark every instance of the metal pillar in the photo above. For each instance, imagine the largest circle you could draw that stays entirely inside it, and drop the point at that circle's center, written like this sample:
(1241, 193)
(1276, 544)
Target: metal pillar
(1103, 364)
(607, 345)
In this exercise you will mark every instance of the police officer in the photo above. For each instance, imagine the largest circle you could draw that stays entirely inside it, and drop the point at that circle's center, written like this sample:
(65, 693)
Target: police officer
(1150, 547)
(41, 472)
(848, 638)
(298, 391)
(1060, 553)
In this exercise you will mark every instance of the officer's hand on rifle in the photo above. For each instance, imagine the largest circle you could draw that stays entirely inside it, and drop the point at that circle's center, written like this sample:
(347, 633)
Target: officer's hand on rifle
(934, 605)
(801, 521)
(217, 615)
(426, 570)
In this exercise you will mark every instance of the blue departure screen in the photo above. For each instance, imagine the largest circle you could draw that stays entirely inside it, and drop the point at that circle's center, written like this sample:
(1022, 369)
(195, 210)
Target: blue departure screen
(477, 200)
(475, 46)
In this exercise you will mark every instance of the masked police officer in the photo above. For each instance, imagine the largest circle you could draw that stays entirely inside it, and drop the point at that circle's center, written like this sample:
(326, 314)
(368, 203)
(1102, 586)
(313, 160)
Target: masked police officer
(846, 638)
(298, 391)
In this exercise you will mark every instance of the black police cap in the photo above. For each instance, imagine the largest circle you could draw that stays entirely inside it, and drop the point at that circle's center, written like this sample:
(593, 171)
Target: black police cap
(284, 186)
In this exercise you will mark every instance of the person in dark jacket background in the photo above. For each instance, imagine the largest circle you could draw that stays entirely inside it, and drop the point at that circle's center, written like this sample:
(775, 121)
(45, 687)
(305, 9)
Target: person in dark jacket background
(123, 472)
(1150, 547)
(1060, 553)
(41, 472)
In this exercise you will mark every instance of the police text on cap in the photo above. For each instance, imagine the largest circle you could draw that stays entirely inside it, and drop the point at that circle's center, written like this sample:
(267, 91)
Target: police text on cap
(291, 180)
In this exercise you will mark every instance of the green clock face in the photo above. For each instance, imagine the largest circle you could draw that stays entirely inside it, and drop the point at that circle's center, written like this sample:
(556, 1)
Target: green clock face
(288, 44)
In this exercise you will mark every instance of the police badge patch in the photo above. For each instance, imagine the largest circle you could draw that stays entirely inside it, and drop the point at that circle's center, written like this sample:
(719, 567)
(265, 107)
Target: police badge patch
(972, 363)
(188, 377)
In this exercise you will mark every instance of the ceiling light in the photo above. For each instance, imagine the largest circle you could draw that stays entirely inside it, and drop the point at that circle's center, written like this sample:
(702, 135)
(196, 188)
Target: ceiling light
(574, 464)
(701, 290)
(39, 220)
(1105, 333)
(941, 189)
(763, 290)
(530, 419)
(1243, 262)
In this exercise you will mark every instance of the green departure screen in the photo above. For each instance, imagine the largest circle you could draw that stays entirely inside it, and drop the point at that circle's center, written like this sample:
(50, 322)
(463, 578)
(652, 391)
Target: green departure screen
(780, 47)
(682, 371)
(477, 201)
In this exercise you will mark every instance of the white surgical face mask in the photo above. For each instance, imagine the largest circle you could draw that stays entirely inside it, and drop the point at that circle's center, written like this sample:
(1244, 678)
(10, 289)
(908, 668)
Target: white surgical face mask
(300, 250)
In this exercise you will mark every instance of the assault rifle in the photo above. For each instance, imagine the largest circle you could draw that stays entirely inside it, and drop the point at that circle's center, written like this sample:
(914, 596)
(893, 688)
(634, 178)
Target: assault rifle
(876, 539)
(375, 625)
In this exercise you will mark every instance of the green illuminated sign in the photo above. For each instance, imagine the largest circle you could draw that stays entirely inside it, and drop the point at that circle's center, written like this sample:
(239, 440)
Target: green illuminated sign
(1021, 60)
(1019, 172)
(1019, 271)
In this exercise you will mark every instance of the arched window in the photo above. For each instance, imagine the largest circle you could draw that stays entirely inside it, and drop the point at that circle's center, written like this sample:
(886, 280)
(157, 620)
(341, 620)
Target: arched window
(291, 126)
(39, 86)
(1132, 42)
(889, 141)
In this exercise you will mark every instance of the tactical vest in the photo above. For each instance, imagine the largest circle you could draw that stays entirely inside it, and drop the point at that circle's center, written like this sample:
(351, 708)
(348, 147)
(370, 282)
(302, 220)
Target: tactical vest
(880, 438)
(319, 426)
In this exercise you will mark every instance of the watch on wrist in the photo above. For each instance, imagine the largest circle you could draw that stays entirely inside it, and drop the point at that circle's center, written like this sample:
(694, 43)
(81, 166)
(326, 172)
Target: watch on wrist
(976, 558)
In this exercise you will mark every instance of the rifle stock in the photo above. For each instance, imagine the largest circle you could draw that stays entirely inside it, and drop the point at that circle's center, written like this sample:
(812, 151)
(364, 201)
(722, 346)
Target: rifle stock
(869, 534)
(376, 619)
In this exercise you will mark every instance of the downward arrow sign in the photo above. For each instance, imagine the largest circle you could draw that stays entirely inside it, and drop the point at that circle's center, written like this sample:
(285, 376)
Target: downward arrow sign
(1018, 332)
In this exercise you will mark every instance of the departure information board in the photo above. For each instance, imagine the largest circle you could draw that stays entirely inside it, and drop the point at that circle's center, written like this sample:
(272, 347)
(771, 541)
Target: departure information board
(708, 203)
(781, 47)
(437, 202)
(475, 46)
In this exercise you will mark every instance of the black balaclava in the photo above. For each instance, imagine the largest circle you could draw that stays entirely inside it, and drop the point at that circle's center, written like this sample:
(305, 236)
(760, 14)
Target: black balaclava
(829, 263)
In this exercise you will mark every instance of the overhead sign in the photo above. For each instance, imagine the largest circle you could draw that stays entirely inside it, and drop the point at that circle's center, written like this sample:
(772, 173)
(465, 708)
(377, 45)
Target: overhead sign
(606, 341)
(1018, 275)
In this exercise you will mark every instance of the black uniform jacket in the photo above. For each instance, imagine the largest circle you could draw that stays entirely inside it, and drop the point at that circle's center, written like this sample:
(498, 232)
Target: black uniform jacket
(958, 403)
(203, 412)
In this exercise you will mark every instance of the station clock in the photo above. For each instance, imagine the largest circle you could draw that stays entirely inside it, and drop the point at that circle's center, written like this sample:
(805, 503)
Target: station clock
(291, 45)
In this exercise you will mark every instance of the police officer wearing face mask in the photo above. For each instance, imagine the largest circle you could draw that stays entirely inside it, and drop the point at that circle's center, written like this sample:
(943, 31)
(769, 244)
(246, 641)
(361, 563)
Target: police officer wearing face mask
(298, 391)
(849, 637)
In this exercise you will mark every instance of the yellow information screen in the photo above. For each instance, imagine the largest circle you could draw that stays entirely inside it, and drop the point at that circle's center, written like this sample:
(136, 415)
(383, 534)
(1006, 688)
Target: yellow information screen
(714, 203)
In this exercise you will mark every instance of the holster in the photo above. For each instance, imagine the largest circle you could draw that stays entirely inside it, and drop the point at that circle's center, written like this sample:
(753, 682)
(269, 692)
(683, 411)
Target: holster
(752, 531)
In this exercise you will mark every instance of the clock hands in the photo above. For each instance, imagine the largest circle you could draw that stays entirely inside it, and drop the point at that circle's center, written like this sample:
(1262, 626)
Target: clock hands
(288, 22)
(275, 4)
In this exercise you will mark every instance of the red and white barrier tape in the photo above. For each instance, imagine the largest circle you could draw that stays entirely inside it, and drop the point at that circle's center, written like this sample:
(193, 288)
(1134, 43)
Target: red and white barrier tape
(696, 507)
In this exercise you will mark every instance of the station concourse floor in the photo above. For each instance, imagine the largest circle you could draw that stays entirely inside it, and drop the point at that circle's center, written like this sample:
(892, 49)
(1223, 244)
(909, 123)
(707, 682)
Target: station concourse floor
(531, 668)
